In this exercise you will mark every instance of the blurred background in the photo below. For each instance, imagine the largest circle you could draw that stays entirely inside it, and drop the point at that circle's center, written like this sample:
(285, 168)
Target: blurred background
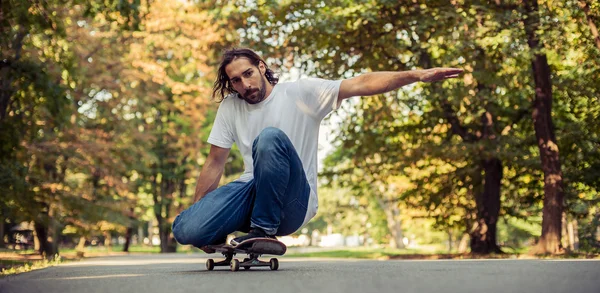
(105, 110)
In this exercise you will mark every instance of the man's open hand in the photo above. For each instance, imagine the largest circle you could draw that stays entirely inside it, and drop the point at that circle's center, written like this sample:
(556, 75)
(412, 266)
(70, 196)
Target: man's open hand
(437, 74)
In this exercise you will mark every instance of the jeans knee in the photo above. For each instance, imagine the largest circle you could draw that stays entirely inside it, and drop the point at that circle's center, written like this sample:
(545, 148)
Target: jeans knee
(175, 229)
(191, 233)
(271, 133)
(268, 138)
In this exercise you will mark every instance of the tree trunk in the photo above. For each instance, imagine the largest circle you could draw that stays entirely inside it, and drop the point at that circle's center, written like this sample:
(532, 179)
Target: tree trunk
(395, 226)
(450, 240)
(573, 237)
(483, 237)
(81, 243)
(483, 234)
(462, 245)
(81, 247)
(549, 242)
(48, 243)
(565, 241)
(394, 223)
(127, 239)
(36, 241)
(129, 232)
(108, 241)
(2, 245)
(167, 241)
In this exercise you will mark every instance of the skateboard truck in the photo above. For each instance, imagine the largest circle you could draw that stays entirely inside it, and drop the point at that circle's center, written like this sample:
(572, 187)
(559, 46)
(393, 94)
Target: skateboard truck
(211, 264)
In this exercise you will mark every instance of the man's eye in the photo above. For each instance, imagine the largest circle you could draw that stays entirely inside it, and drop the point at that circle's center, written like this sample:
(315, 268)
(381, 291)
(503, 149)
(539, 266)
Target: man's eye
(248, 74)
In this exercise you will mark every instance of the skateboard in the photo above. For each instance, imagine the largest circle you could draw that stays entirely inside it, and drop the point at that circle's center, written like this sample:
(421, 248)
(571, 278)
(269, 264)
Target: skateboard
(254, 248)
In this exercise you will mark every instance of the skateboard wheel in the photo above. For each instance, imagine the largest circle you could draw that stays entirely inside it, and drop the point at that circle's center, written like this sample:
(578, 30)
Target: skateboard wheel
(235, 265)
(274, 264)
(210, 264)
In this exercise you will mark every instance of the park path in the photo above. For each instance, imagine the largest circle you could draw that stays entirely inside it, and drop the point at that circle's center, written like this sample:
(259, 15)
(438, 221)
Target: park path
(173, 273)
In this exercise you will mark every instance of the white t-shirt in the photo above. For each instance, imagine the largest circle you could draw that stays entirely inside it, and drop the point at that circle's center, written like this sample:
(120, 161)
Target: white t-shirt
(297, 108)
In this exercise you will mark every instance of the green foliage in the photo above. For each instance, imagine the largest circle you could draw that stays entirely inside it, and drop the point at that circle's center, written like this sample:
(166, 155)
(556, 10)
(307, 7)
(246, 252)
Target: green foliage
(588, 234)
(100, 114)
(438, 135)
(104, 109)
(343, 211)
(514, 233)
(18, 267)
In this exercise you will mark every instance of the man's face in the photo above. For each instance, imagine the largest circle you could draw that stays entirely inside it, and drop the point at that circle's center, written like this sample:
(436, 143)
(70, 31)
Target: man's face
(248, 80)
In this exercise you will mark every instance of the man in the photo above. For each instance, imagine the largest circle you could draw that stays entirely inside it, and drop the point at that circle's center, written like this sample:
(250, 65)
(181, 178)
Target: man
(275, 126)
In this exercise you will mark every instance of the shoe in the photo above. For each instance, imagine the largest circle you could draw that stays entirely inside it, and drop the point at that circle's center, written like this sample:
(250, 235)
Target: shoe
(220, 241)
(254, 233)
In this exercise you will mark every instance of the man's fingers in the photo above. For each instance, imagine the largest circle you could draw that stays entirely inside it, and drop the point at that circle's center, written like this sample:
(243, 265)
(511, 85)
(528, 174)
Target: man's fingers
(207, 249)
(452, 71)
(437, 74)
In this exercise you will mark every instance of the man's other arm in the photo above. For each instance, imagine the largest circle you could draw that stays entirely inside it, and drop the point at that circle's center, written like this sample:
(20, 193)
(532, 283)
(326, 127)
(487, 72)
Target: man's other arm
(211, 173)
(374, 83)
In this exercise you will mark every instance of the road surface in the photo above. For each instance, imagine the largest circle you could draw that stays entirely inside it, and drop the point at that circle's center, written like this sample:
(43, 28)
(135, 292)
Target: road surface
(173, 273)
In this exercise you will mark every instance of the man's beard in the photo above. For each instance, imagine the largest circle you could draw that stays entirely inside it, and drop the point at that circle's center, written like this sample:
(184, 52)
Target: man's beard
(261, 93)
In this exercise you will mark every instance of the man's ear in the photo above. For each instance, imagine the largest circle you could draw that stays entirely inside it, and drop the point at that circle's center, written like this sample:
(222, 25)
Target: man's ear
(262, 67)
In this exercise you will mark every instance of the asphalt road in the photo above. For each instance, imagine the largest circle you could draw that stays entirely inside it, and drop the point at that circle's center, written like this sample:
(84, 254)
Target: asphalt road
(186, 273)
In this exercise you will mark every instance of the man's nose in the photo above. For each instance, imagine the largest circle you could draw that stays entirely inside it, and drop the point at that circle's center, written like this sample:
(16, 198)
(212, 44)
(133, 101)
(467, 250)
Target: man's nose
(246, 84)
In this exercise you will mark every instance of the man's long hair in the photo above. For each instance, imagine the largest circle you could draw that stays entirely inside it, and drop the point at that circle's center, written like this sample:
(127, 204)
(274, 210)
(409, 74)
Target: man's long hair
(222, 86)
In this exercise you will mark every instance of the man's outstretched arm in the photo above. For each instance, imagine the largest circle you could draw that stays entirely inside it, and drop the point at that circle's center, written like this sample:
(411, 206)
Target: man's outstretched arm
(211, 173)
(374, 83)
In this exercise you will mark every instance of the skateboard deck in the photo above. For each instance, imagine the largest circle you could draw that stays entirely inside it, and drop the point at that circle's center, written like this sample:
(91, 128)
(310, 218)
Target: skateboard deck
(254, 248)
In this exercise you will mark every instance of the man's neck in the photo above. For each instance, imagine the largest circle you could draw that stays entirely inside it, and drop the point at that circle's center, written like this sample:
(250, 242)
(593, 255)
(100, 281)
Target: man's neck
(269, 89)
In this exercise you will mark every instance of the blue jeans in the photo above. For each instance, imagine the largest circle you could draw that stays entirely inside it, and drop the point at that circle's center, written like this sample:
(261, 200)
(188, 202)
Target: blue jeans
(275, 200)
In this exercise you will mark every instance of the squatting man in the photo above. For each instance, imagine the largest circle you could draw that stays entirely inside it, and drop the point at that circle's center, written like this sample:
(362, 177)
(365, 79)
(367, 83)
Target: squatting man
(275, 126)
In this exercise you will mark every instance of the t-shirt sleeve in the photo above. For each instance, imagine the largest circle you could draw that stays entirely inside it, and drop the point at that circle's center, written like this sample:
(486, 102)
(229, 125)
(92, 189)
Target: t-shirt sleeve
(320, 95)
(221, 133)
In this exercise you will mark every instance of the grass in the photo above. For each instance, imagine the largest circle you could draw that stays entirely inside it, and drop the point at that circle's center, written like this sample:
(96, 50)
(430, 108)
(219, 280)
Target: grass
(365, 253)
(424, 254)
(114, 248)
(17, 266)
(347, 253)
(20, 261)
(92, 250)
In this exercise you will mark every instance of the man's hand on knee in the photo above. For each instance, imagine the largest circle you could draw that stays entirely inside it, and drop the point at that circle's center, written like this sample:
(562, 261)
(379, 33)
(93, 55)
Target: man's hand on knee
(207, 249)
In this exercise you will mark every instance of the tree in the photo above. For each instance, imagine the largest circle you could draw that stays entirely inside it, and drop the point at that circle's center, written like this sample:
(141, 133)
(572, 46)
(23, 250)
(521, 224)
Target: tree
(35, 106)
(473, 131)
(170, 76)
(550, 241)
(378, 39)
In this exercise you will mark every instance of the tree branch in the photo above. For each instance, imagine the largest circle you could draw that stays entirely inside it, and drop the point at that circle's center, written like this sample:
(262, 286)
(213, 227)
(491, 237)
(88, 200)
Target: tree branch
(507, 6)
(522, 113)
(586, 10)
(455, 125)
